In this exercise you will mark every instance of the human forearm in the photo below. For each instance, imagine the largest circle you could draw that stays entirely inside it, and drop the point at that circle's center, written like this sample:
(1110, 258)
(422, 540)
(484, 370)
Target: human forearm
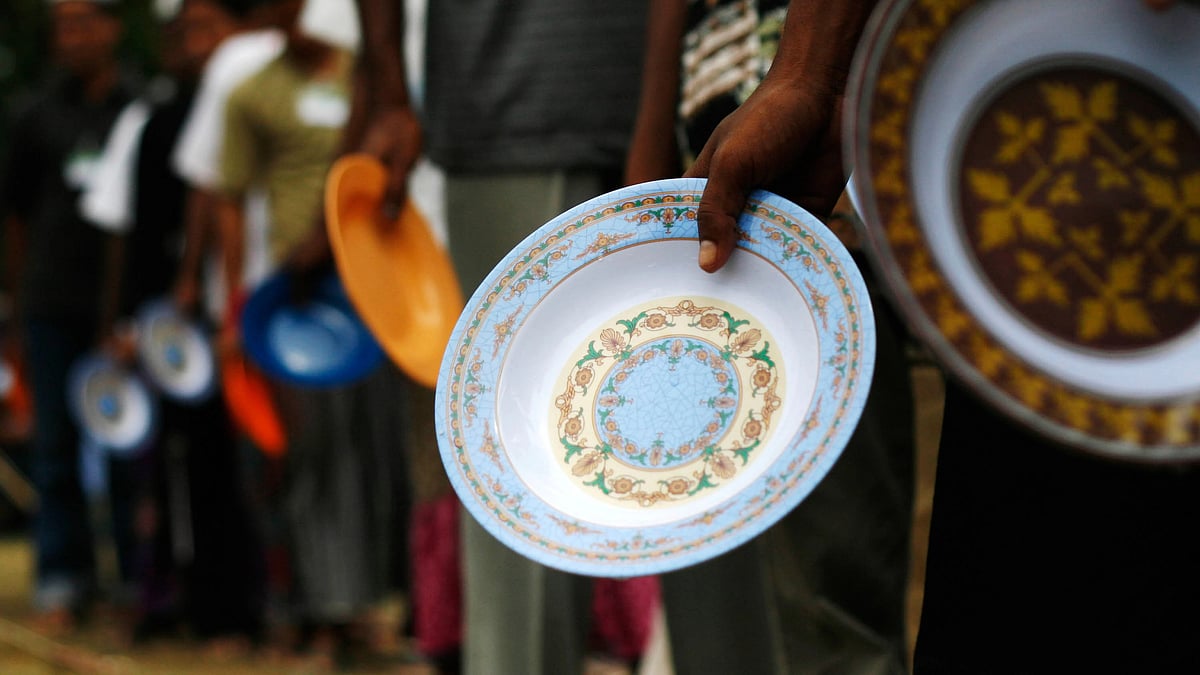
(198, 225)
(787, 135)
(381, 62)
(231, 230)
(382, 120)
(654, 150)
(818, 42)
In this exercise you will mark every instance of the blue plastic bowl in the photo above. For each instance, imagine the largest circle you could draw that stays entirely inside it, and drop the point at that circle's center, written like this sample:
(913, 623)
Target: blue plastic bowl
(321, 343)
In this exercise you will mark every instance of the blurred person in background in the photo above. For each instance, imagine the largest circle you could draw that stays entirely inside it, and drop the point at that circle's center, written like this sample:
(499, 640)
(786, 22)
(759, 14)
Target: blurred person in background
(527, 108)
(255, 37)
(55, 264)
(199, 562)
(824, 589)
(282, 130)
(1042, 559)
(243, 48)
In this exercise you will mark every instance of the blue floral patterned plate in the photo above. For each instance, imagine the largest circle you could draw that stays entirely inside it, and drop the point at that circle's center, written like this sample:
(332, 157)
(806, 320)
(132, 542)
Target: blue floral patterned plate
(607, 408)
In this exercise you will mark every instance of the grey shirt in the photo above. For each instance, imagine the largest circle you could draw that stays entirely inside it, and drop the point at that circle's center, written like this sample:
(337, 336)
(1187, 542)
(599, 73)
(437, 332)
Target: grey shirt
(532, 84)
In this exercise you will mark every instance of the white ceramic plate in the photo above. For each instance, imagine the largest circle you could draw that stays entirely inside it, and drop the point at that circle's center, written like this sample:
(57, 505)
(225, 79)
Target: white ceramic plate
(111, 404)
(980, 133)
(607, 408)
(175, 353)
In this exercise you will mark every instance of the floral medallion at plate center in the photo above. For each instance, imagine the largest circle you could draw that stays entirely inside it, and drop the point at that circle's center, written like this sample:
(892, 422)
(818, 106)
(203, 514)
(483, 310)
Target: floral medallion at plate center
(667, 401)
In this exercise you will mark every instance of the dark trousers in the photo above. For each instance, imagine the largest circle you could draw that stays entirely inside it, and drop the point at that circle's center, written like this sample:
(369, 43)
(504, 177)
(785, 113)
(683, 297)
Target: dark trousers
(1044, 559)
(823, 590)
(207, 542)
(62, 527)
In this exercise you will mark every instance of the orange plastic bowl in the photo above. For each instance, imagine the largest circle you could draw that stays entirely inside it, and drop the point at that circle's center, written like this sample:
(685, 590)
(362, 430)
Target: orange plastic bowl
(250, 404)
(399, 279)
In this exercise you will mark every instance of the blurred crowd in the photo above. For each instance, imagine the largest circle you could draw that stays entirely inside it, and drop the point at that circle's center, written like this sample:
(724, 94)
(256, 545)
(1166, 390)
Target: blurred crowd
(202, 179)
(195, 181)
(198, 181)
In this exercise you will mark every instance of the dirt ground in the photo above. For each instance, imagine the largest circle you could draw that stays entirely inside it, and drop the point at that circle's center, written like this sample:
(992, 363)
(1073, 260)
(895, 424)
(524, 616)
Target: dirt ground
(99, 649)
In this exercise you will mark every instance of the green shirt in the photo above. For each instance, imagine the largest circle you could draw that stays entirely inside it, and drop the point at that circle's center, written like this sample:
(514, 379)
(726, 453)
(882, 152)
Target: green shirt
(282, 127)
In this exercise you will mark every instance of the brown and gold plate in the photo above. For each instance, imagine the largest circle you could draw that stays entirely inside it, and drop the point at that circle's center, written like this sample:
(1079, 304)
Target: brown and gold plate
(1029, 171)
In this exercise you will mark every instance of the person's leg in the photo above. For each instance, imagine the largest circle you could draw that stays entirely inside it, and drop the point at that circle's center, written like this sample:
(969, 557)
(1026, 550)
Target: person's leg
(62, 531)
(521, 618)
(840, 560)
(125, 479)
(721, 617)
(824, 589)
(436, 544)
(377, 424)
(225, 596)
(324, 508)
(156, 569)
(623, 613)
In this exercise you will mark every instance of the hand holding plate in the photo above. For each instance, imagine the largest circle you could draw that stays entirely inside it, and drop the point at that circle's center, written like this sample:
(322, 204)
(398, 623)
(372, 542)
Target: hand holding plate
(186, 294)
(786, 136)
(393, 134)
(121, 344)
(782, 137)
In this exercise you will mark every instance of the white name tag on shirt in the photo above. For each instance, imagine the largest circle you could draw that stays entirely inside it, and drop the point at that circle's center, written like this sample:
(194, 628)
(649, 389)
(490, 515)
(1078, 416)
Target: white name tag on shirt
(322, 106)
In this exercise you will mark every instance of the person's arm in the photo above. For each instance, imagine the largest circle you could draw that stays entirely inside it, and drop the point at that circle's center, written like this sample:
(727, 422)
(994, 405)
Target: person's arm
(240, 159)
(108, 205)
(199, 216)
(786, 136)
(382, 120)
(114, 334)
(231, 231)
(231, 223)
(654, 147)
(309, 261)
